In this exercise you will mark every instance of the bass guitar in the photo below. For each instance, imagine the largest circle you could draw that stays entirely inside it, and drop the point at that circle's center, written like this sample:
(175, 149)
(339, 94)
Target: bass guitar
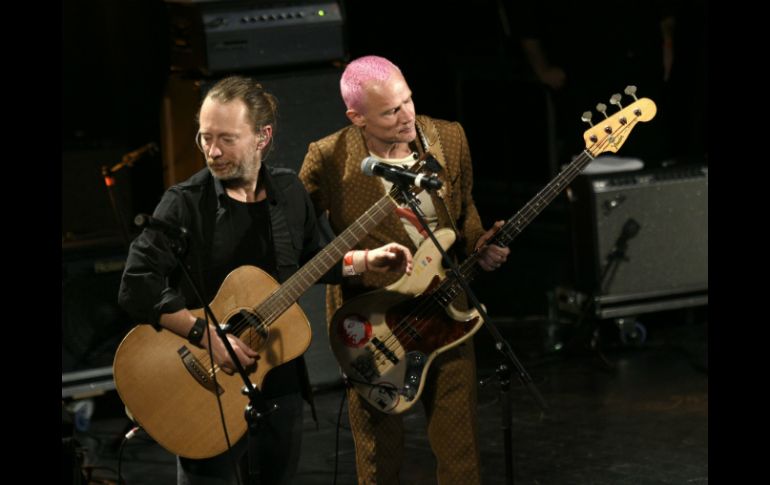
(385, 340)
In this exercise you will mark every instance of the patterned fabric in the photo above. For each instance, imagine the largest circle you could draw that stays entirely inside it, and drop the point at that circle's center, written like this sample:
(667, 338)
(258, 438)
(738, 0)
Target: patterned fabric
(332, 175)
(412, 224)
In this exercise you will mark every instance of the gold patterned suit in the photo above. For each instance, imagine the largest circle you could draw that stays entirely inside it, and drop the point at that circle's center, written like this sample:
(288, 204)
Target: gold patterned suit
(332, 175)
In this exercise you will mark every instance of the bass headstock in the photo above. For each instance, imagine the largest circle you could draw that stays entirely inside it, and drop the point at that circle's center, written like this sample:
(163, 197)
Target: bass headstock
(613, 131)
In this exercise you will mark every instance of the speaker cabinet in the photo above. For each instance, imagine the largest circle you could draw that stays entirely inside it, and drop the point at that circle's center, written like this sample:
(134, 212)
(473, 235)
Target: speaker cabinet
(309, 107)
(216, 37)
(650, 227)
(93, 324)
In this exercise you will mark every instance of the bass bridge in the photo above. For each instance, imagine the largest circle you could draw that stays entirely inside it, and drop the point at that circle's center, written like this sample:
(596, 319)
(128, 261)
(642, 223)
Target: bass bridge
(415, 364)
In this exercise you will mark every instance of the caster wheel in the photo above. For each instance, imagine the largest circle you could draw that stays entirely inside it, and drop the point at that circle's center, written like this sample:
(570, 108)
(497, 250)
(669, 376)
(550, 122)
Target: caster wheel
(633, 335)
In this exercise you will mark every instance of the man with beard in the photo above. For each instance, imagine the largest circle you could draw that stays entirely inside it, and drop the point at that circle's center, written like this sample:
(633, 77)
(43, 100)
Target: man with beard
(238, 211)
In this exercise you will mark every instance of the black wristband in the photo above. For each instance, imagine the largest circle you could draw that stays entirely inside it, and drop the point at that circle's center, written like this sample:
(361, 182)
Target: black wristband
(196, 332)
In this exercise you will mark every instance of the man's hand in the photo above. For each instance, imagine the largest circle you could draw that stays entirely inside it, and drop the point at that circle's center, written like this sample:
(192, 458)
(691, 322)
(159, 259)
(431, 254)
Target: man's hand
(491, 256)
(390, 257)
(246, 355)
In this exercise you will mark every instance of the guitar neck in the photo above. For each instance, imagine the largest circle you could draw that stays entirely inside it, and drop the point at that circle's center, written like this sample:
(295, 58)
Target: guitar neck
(607, 136)
(516, 224)
(449, 289)
(313, 270)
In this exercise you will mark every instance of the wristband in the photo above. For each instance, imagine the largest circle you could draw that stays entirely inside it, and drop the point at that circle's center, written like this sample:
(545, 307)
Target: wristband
(196, 332)
(347, 265)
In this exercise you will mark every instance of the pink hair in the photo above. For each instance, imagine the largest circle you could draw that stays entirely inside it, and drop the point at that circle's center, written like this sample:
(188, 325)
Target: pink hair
(358, 73)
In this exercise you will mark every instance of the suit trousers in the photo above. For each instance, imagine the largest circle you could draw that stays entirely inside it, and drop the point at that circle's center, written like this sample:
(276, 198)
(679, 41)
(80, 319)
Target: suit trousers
(449, 399)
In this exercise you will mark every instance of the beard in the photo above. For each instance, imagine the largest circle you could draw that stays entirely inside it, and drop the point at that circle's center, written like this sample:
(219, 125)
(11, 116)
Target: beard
(230, 170)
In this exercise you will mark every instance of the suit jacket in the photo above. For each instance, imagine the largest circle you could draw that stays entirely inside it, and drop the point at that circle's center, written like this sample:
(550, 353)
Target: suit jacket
(332, 176)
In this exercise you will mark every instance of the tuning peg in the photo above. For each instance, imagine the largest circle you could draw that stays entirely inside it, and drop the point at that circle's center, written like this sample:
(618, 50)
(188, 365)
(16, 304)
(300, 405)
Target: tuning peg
(586, 118)
(602, 108)
(631, 91)
(615, 99)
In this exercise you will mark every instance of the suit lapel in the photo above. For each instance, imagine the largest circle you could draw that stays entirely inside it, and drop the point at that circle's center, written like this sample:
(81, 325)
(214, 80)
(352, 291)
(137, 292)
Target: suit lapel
(430, 137)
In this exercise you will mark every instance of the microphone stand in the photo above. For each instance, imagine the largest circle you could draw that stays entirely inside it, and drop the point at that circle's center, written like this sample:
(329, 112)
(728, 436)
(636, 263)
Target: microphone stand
(612, 262)
(256, 410)
(618, 253)
(503, 371)
(109, 182)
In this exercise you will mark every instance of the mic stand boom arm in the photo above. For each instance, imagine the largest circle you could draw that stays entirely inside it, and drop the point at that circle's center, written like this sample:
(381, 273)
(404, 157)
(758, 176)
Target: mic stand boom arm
(109, 182)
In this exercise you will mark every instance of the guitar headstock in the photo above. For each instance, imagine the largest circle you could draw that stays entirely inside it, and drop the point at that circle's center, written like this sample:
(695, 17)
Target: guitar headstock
(612, 132)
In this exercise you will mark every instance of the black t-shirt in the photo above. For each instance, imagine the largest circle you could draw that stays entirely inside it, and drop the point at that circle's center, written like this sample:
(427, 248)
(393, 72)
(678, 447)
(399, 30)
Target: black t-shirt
(249, 239)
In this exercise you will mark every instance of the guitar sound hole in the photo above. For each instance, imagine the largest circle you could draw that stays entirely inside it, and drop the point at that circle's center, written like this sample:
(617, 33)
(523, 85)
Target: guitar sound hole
(249, 328)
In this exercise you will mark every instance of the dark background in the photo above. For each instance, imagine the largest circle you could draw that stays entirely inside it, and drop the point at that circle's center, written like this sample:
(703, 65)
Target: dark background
(462, 65)
(463, 62)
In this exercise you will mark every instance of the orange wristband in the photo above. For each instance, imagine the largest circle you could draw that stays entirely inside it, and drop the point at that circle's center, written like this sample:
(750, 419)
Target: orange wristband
(347, 264)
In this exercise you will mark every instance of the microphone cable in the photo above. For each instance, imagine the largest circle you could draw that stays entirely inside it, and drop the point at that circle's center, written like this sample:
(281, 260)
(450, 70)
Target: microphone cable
(337, 434)
(131, 433)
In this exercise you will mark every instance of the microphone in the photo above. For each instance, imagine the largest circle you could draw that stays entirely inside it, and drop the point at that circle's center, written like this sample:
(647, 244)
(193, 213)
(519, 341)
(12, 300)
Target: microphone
(130, 157)
(144, 221)
(629, 230)
(371, 166)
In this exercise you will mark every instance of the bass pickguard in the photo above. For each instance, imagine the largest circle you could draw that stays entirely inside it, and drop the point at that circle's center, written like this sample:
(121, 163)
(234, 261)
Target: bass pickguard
(385, 340)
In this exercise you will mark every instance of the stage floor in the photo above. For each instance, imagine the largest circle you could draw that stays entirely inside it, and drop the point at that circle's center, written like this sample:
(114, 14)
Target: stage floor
(643, 422)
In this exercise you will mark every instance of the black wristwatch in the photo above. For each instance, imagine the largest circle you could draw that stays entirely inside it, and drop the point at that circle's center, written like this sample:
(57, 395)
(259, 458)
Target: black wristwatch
(196, 332)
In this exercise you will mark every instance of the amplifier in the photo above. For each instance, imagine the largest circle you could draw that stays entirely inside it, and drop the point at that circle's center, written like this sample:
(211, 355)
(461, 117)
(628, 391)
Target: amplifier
(93, 324)
(217, 36)
(652, 225)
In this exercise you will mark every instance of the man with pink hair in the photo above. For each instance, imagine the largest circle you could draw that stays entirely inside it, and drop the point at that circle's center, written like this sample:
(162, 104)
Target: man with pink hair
(384, 125)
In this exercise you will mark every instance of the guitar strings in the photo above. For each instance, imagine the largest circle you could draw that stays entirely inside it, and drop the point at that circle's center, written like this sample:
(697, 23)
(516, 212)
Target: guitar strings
(450, 288)
(276, 306)
(259, 318)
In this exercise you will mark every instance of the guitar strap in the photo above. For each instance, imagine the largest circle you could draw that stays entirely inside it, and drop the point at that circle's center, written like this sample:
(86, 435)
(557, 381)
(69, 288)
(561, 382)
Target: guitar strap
(207, 209)
(431, 142)
(285, 254)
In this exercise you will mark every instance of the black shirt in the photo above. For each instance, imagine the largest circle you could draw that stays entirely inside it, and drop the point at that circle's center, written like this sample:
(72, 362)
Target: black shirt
(278, 235)
(152, 284)
(249, 234)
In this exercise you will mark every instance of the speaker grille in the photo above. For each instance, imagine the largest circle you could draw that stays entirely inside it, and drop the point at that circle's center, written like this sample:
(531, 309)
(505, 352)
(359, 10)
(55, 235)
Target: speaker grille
(669, 253)
(93, 324)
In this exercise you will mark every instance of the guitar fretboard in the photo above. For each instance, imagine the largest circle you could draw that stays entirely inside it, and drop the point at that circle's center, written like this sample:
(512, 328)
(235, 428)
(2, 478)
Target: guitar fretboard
(642, 110)
(313, 270)
(446, 292)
